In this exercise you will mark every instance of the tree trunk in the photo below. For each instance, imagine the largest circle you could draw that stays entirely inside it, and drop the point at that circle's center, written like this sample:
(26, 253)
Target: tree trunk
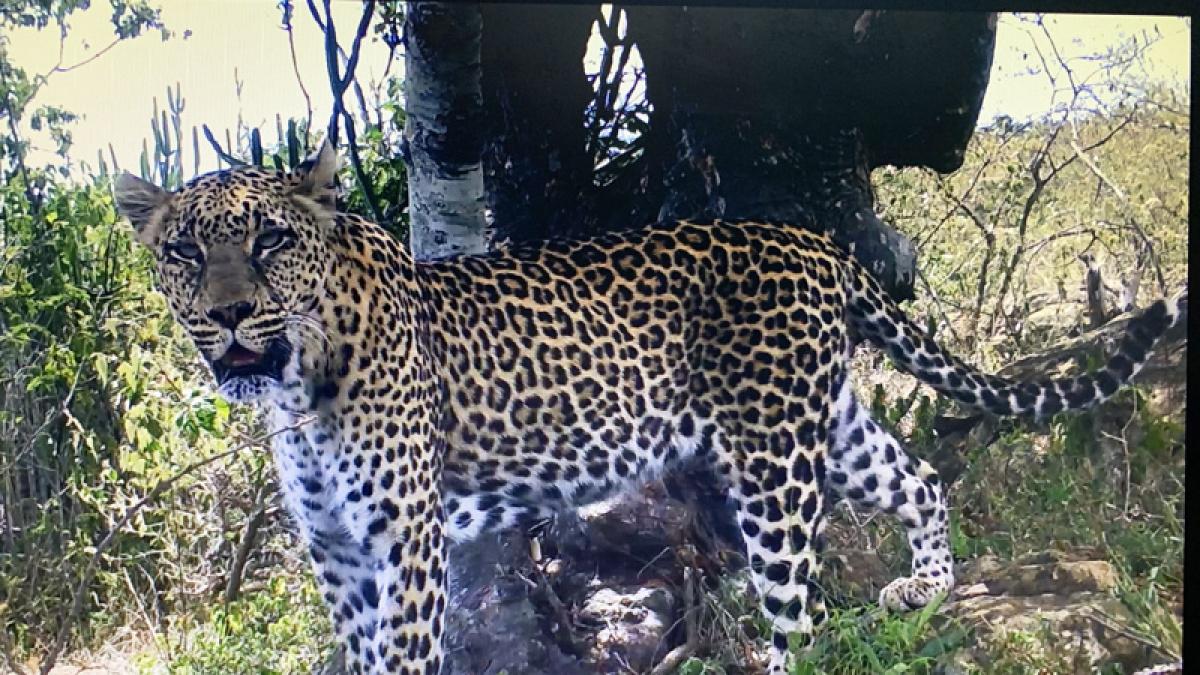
(537, 171)
(444, 131)
(761, 167)
(1093, 290)
(788, 123)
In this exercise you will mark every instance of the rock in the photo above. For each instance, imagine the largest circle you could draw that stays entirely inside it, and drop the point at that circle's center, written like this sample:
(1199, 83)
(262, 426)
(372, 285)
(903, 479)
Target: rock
(856, 574)
(1044, 612)
(633, 623)
(1034, 576)
(1081, 631)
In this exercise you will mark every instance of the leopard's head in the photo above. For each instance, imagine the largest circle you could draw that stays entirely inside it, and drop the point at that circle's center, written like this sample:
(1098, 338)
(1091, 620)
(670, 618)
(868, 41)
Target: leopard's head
(241, 256)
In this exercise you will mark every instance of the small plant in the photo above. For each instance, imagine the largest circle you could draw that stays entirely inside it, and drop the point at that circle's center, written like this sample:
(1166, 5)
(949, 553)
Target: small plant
(873, 640)
(695, 666)
(281, 629)
(1155, 623)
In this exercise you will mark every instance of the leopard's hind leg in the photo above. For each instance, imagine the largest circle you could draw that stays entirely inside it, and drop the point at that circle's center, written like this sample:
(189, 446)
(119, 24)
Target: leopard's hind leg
(871, 468)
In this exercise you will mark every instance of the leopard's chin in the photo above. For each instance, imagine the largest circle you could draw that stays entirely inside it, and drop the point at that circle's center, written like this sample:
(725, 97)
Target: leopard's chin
(246, 389)
(244, 375)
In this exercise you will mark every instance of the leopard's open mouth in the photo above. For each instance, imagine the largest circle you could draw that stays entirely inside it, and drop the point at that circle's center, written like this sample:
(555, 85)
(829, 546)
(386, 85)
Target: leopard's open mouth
(241, 361)
(238, 356)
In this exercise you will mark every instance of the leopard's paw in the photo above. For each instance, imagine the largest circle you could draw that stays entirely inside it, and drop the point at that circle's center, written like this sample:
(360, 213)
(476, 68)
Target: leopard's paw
(908, 593)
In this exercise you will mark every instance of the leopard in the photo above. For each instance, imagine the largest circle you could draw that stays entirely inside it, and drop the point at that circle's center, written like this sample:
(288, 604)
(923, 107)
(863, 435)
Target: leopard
(413, 403)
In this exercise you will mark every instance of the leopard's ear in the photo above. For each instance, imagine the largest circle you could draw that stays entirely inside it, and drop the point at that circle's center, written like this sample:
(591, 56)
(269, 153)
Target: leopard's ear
(317, 177)
(144, 204)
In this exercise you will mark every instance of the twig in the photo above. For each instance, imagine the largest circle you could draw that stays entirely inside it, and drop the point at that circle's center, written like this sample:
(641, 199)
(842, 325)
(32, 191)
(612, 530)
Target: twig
(287, 8)
(1041, 159)
(1104, 619)
(253, 524)
(59, 68)
(338, 82)
(937, 301)
(683, 652)
(541, 589)
(157, 491)
(1081, 153)
(989, 237)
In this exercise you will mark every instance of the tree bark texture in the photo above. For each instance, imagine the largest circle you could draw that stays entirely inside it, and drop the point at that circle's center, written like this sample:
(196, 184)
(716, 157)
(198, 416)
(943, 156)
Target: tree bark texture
(536, 167)
(912, 82)
(444, 128)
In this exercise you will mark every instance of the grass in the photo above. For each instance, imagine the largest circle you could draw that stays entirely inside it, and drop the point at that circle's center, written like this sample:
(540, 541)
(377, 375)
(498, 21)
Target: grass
(856, 640)
(281, 629)
(872, 640)
(1028, 493)
(1031, 491)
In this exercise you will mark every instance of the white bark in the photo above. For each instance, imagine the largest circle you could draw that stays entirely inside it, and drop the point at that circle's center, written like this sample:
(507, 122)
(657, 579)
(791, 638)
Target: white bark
(444, 102)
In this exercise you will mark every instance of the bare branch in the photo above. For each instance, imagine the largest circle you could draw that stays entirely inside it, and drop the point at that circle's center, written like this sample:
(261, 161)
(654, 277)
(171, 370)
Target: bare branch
(364, 22)
(1147, 243)
(237, 570)
(338, 83)
(691, 622)
(104, 50)
(287, 7)
(937, 301)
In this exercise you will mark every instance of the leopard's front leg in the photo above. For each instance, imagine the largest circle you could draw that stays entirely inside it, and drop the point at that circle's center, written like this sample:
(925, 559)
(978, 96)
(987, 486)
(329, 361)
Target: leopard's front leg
(393, 513)
(411, 578)
(339, 565)
(376, 541)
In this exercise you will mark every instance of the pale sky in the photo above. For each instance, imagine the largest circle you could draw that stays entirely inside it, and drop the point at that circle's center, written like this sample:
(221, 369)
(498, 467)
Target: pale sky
(1014, 92)
(114, 93)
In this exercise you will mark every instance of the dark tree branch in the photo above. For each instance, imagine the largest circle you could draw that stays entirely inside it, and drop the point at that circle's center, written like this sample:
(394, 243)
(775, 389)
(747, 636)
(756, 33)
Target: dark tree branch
(237, 570)
(338, 83)
(221, 153)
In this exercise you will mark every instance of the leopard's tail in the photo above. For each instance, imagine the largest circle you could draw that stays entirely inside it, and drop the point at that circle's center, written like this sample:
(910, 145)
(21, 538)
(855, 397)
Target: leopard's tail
(874, 316)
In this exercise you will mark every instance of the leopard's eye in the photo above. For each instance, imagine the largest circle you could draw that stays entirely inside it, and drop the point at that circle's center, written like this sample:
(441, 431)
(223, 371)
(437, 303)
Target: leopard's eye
(185, 251)
(269, 241)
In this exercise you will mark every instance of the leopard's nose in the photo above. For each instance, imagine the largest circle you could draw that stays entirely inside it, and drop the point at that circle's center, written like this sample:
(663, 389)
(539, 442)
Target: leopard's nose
(232, 314)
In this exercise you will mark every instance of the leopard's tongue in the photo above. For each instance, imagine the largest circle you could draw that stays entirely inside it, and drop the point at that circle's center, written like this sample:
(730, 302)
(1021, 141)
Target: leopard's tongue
(238, 355)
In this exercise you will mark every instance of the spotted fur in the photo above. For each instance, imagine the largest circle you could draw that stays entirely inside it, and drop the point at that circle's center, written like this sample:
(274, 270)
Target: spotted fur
(415, 401)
